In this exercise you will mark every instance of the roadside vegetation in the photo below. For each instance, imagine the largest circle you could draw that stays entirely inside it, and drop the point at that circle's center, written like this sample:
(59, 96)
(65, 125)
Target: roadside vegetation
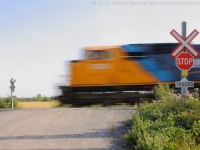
(166, 124)
(37, 98)
(5, 102)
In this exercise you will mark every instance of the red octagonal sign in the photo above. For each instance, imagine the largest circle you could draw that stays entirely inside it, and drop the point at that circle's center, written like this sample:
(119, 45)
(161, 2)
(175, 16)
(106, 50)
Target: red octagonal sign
(184, 61)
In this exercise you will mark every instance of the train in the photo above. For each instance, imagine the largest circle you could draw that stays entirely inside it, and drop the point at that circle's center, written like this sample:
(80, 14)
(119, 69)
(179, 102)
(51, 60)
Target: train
(129, 67)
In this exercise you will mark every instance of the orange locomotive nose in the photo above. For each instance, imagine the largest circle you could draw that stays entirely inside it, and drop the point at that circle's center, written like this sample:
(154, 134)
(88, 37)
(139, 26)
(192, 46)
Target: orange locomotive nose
(108, 66)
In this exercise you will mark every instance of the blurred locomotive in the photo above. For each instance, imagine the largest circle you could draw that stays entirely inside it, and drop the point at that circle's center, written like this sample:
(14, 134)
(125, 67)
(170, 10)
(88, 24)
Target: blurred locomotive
(132, 67)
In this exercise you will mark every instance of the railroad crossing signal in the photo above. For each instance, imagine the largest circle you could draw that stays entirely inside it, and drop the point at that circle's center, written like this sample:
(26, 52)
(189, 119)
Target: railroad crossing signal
(184, 54)
(12, 86)
(184, 43)
(184, 61)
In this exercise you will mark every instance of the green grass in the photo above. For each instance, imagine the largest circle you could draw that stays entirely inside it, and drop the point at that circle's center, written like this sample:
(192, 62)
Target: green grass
(167, 124)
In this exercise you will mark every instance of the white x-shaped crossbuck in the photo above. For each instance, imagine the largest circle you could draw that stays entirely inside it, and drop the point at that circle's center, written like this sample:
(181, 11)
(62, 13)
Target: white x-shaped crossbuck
(184, 43)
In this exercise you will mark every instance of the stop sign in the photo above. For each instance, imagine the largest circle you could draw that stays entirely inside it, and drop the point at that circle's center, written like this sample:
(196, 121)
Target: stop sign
(184, 61)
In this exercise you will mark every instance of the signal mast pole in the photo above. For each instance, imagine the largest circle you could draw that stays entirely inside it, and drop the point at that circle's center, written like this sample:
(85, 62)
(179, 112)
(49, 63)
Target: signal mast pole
(184, 73)
(12, 89)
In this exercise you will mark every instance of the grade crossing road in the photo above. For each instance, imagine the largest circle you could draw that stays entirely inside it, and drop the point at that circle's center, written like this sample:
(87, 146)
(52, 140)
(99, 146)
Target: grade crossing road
(63, 128)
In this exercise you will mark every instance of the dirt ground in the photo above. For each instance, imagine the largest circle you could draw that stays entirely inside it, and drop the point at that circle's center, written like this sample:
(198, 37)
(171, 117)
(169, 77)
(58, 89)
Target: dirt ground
(64, 128)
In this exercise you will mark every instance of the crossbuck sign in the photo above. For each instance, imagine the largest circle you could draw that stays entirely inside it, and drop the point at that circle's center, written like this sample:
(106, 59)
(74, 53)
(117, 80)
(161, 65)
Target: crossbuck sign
(184, 43)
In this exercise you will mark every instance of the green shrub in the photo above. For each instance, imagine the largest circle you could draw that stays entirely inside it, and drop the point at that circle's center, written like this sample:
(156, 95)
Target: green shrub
(163, 92)
(6, 102)
(167, 124)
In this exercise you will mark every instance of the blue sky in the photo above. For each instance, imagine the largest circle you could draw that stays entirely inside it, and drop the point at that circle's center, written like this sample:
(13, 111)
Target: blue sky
(37, 37)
